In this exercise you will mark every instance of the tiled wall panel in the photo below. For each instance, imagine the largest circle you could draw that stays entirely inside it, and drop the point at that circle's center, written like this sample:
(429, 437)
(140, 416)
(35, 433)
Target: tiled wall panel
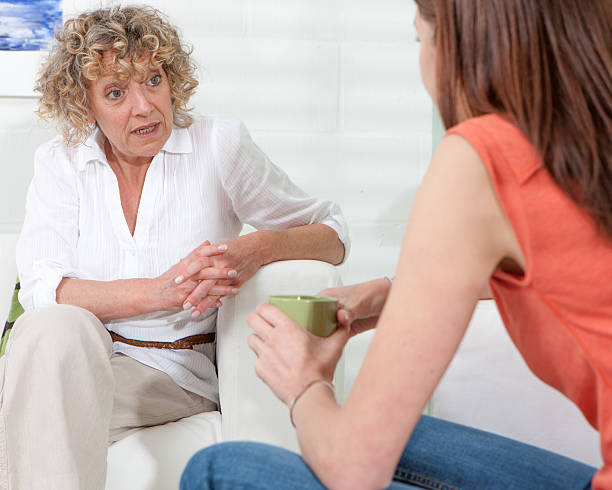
(378, 20)
(381, 89)
(373, 177)
(295, 19)
(20, 134)
(271, 84)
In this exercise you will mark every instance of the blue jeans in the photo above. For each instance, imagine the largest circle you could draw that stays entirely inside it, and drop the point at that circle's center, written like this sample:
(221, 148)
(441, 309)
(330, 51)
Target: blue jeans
(439, 455)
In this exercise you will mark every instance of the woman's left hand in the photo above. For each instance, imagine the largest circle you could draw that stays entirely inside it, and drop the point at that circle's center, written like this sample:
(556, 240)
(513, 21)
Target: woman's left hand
(241, 256)
(288, 356)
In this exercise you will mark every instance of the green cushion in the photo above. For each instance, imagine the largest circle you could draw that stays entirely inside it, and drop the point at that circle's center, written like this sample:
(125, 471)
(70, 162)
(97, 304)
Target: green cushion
(15, 312)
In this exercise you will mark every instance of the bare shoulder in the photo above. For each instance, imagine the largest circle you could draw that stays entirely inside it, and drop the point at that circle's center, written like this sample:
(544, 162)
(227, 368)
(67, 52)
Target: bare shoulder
(457, 181)
(457, 160)
(459, 185)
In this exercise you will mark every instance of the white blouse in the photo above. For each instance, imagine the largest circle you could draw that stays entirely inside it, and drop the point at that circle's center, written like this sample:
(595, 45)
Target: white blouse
(206, 182)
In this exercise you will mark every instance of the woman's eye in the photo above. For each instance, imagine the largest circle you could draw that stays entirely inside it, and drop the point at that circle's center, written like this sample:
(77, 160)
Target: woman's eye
(115, 94)
(156, 80)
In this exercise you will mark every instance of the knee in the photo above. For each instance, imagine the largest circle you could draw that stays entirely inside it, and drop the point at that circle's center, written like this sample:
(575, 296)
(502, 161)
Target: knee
(61, 329)
(243, 465)
(201, 468)
(217, 466)
(196, 473)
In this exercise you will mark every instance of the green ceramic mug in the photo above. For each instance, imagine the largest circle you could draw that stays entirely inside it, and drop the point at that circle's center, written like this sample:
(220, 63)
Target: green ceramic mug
(317, 314)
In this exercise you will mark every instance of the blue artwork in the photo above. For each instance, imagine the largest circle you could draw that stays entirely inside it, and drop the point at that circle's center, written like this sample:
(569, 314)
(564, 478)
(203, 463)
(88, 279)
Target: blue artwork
(27, 25)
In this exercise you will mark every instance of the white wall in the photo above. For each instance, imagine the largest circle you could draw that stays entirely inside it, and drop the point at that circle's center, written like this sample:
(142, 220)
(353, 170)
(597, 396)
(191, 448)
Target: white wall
(330, 90)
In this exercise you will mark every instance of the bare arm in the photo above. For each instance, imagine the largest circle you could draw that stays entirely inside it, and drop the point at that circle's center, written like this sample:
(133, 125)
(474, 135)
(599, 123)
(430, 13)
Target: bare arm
(315, 242)
(109, 300)
(456, 236)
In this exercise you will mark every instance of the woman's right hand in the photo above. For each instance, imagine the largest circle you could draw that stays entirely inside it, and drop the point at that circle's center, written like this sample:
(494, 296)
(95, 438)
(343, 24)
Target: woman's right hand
(360, 304)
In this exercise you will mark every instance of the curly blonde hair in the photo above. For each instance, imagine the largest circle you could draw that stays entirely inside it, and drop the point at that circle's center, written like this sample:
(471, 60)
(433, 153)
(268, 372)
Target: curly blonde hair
(137, 36)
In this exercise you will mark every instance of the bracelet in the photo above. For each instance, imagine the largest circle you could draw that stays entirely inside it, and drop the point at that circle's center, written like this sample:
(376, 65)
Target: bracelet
(303, 390)
(389, 279)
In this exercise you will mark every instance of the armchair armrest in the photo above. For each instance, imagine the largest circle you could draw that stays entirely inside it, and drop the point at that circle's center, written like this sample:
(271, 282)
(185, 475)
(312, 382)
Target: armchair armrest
(250, 411)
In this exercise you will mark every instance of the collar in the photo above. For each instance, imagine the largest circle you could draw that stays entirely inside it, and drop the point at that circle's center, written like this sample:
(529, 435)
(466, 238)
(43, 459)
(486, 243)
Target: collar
(93, 148)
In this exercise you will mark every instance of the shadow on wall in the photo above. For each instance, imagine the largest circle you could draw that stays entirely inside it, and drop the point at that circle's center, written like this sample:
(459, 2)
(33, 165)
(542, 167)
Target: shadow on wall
(407, 199)
(21, 132)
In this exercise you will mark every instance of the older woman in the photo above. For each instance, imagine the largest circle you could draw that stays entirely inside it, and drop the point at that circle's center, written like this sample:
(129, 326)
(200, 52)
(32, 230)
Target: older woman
(131, 227)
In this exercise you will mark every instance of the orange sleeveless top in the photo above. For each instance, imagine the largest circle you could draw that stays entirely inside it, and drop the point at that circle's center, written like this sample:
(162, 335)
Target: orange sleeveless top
(559, 314)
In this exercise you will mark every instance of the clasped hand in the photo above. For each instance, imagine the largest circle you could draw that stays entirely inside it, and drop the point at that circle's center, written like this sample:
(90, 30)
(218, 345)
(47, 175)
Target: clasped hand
(210, 272)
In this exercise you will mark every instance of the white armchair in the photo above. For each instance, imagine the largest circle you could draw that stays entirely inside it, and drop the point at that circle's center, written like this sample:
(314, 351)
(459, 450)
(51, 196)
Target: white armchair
(154, 458)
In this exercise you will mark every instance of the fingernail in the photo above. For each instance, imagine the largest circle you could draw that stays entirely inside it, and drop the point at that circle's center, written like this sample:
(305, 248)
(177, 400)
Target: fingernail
(235, 290)
(187, 305)
(222, 247)
(195, 313)
(232, 273)
(179, 279)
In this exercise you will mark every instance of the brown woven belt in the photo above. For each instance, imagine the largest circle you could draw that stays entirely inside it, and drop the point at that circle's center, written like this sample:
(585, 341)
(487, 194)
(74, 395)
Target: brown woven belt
(184, 343)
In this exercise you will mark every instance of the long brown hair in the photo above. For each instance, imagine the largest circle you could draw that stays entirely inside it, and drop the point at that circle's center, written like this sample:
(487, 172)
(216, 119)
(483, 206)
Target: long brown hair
(545, 64)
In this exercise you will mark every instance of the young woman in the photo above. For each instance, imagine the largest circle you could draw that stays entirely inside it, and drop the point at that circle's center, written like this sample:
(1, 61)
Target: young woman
(518, 198)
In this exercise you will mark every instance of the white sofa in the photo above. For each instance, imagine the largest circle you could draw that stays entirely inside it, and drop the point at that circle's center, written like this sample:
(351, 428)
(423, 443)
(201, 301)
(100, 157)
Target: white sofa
(153, 458)
(487, 385)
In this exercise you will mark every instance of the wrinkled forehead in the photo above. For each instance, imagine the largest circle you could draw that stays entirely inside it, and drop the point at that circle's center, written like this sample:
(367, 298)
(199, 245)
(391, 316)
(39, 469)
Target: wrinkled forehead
(137, 66)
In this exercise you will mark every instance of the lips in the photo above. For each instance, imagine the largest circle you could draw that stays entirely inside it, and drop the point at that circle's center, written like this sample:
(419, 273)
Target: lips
(146, 129)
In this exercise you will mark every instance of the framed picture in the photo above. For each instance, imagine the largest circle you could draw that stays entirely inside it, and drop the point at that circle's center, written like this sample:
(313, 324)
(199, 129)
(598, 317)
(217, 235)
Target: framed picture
(26, 32)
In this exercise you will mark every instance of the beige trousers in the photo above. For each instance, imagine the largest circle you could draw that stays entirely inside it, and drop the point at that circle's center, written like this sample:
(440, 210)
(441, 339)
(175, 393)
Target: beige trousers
(64, 399)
